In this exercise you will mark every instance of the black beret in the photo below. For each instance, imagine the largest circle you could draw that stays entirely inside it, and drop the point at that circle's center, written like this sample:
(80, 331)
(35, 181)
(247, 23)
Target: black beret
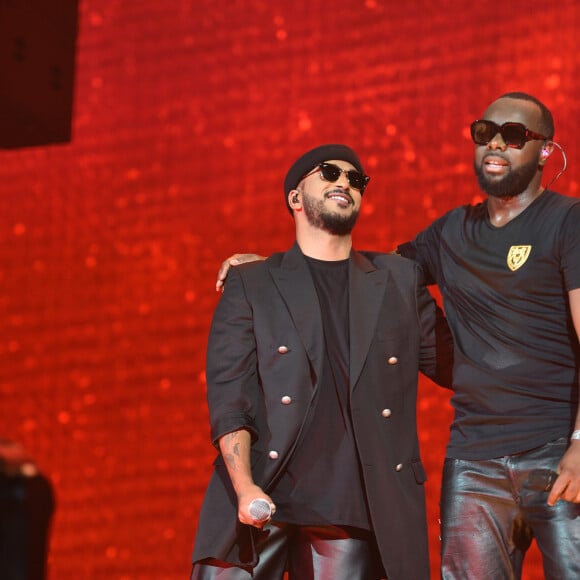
(315, 157)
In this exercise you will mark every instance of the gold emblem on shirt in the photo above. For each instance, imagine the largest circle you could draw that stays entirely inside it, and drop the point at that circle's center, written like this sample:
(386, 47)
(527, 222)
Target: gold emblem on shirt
(517, 256)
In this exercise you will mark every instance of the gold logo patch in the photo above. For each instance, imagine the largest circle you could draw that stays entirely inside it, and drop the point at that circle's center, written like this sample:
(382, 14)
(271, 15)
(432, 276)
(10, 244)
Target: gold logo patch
(517, 256)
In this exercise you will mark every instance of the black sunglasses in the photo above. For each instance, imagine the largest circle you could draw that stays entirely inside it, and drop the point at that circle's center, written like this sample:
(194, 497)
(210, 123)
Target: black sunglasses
(331, 172)
(513, 134)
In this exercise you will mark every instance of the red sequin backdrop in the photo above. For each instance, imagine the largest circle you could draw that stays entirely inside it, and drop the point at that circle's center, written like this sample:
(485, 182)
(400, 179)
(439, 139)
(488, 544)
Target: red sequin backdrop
(187, 114)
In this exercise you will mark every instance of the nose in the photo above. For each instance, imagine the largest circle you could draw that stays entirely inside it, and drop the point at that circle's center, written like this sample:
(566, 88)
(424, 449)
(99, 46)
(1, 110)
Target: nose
(343, 180)
(497, 143)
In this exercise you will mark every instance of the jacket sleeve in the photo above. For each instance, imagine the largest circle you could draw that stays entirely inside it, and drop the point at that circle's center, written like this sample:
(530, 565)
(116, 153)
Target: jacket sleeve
(231, 363)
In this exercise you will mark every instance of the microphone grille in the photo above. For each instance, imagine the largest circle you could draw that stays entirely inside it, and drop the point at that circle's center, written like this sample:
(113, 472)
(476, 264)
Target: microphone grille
(260, 509)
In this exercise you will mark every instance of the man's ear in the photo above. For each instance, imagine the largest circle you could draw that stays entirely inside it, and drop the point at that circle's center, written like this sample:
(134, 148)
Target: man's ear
(294, 198)
(546, 151)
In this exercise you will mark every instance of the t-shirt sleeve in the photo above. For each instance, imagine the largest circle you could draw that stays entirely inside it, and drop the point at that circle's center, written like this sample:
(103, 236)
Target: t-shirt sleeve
(424, 249)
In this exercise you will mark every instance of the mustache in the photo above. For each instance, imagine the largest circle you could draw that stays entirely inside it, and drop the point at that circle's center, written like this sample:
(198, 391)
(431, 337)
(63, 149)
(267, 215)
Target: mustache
(495, 154)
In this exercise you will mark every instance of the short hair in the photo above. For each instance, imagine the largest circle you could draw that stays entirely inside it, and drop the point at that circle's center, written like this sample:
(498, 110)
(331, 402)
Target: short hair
(546, 118)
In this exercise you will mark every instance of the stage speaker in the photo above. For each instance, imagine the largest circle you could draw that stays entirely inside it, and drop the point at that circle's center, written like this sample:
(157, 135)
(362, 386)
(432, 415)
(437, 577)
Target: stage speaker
(37, 66)
(27, 506)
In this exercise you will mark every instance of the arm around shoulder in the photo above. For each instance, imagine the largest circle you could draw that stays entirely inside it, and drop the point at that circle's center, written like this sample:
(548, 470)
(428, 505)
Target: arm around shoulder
(437, 352)
(233, 260)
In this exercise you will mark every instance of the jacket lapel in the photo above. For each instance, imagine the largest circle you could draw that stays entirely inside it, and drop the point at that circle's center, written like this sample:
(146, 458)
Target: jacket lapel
(294, 282)
(367, 286)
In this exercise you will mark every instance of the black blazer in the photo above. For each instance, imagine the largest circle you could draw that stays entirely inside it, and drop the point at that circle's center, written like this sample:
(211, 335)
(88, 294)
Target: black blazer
(266, 344)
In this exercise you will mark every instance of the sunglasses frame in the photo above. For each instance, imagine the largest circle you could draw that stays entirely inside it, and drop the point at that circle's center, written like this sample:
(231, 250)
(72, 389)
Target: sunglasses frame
(324, 165)
(527, 135)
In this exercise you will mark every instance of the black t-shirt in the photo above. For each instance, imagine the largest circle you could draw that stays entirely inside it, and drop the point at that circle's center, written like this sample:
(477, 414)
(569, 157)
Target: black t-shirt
(322, 484)
(505, 296)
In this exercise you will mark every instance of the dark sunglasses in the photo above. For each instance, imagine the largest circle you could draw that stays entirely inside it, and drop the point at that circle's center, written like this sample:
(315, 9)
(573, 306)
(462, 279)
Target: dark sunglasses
(331, 172)
(513, 134)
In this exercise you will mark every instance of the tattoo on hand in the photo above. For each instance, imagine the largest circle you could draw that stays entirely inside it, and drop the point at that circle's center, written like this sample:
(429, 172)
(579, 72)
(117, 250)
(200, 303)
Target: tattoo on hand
(234, 445)
(231, 461)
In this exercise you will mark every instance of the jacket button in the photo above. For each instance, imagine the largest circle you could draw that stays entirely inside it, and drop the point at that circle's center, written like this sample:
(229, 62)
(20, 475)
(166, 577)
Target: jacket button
(386, 412)
(273, 454)
(282, 349)
(286, 400)
(399, 467)
(392, 360)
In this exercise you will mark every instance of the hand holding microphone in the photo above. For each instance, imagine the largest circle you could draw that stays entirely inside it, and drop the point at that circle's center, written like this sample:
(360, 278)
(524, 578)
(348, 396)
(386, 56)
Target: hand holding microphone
(255, 507)
(260, 509)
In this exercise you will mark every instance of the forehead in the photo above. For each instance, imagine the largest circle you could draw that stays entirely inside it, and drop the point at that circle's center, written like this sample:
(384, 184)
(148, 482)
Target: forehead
(515, 110)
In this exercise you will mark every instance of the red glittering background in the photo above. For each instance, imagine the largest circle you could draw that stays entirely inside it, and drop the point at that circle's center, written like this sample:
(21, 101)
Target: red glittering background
(186, 115)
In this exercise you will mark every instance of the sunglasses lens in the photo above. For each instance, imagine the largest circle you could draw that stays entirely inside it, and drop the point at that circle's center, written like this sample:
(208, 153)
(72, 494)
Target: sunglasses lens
(357, 180)
(330, 172)
(482, 132)
(514, 135)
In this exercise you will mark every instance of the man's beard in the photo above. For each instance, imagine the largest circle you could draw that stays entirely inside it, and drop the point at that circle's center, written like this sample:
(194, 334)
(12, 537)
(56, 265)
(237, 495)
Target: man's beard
(512, 184)
(332, 222)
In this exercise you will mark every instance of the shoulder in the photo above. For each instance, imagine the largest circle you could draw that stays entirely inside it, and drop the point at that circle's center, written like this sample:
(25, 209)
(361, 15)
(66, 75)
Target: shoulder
(559, 200)
(461, 213)
(389, 261)
(554, 211)
(258, 267)
(451, 221)
(255, 276)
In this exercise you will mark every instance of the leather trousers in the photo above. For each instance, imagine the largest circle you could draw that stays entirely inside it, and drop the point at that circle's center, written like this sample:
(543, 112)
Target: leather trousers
(306, 553)
(491, 510)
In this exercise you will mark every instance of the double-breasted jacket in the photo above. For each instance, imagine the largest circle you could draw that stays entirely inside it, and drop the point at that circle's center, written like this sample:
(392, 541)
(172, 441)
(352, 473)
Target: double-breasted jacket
(264, 359)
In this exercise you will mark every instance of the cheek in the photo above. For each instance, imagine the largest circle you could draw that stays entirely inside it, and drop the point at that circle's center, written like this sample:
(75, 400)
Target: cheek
(478, 155)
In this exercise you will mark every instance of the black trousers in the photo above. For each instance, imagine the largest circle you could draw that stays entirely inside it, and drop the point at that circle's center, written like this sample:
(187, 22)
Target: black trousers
(306, 553)
(491, 510)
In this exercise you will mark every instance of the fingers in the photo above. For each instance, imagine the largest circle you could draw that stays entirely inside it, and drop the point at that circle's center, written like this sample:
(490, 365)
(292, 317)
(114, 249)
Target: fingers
(223, 271)
(258, 512)
(234, 260)
(264, 522)
(556, 491)
(567, 485)
(261, 510)
(565, 488)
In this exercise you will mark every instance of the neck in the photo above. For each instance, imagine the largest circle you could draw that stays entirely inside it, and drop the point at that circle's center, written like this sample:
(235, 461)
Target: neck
(502, 210)
(324, 246)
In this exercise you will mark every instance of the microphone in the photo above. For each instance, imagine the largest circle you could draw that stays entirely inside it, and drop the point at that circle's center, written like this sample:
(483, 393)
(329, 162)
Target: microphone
(260, 509)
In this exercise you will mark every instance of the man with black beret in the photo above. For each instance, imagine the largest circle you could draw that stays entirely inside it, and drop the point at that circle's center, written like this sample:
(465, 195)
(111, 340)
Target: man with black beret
(312, 366)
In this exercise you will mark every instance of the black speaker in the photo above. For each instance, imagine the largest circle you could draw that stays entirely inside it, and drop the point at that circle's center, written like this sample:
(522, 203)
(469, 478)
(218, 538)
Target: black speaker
(37, 66)
(27, 505)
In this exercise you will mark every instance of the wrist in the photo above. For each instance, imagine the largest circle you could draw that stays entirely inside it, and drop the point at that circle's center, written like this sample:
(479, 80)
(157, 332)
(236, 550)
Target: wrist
(575, 435)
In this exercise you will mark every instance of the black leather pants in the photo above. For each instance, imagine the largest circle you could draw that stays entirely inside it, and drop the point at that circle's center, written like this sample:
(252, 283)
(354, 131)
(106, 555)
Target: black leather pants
(492, 509)
(307, 553)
